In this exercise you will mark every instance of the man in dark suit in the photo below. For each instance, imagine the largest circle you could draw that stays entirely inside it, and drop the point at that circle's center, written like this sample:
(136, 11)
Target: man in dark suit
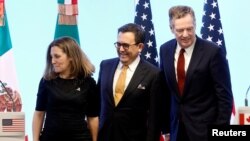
(136, 116)
(201, 95)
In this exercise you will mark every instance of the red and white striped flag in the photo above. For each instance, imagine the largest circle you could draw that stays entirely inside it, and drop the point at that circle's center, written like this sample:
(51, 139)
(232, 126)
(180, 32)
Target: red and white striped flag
(13, 125)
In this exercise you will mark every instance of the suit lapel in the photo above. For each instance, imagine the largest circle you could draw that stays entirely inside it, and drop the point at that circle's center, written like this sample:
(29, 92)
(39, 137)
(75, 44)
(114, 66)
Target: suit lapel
(171, 67)
(197, 55)
(136, 79)
(111, 79)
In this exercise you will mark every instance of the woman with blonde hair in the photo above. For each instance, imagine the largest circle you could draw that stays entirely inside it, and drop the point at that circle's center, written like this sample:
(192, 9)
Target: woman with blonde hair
(67, 105)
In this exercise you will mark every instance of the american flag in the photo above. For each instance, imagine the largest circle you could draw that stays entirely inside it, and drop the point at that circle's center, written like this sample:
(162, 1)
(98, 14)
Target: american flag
(13, 125)
(143, 17)
(211, 30)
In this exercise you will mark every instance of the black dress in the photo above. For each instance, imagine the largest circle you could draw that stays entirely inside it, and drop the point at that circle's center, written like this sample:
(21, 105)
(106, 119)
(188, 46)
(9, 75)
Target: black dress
(67, 102)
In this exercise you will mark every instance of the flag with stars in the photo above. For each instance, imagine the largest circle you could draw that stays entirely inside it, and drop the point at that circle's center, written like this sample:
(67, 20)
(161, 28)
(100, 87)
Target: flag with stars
(211, 30)
(67, 19)
(143, 17)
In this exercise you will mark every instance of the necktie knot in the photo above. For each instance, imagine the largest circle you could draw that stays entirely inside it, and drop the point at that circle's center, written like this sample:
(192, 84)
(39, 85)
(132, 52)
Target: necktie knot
(124, 68)
(182, 51)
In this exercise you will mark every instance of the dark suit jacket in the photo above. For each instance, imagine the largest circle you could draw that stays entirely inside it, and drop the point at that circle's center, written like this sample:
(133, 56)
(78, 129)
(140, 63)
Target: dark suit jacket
(207, 97)
(137, 115)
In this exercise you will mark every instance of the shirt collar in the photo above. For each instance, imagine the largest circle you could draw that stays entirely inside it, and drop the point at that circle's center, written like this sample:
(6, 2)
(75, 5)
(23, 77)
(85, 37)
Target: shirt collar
(188, 50)
(131, 66)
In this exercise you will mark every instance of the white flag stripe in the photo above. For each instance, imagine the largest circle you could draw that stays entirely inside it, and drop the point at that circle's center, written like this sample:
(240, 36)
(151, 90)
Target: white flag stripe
(67, 1)
(8, 70)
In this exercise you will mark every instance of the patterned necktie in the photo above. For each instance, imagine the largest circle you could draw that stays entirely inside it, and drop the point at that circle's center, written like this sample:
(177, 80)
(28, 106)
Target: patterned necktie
(120, 85)
(181, 71)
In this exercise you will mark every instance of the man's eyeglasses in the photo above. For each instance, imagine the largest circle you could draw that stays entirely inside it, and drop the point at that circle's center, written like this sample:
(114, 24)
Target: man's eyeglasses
(124, 45)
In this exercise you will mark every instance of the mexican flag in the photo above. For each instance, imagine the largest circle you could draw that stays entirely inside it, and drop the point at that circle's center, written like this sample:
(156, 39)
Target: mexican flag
(67, 19)
(8, 78)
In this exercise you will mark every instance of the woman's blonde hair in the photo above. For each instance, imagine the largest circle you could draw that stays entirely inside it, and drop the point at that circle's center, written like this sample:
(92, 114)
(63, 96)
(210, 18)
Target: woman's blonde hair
(80, 64)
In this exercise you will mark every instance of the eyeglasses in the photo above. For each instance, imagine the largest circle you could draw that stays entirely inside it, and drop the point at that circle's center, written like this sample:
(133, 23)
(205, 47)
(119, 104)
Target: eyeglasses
(124, 45)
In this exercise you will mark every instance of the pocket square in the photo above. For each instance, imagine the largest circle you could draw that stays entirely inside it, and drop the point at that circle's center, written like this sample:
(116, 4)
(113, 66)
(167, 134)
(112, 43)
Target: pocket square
(140, 86)
(78, 89)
